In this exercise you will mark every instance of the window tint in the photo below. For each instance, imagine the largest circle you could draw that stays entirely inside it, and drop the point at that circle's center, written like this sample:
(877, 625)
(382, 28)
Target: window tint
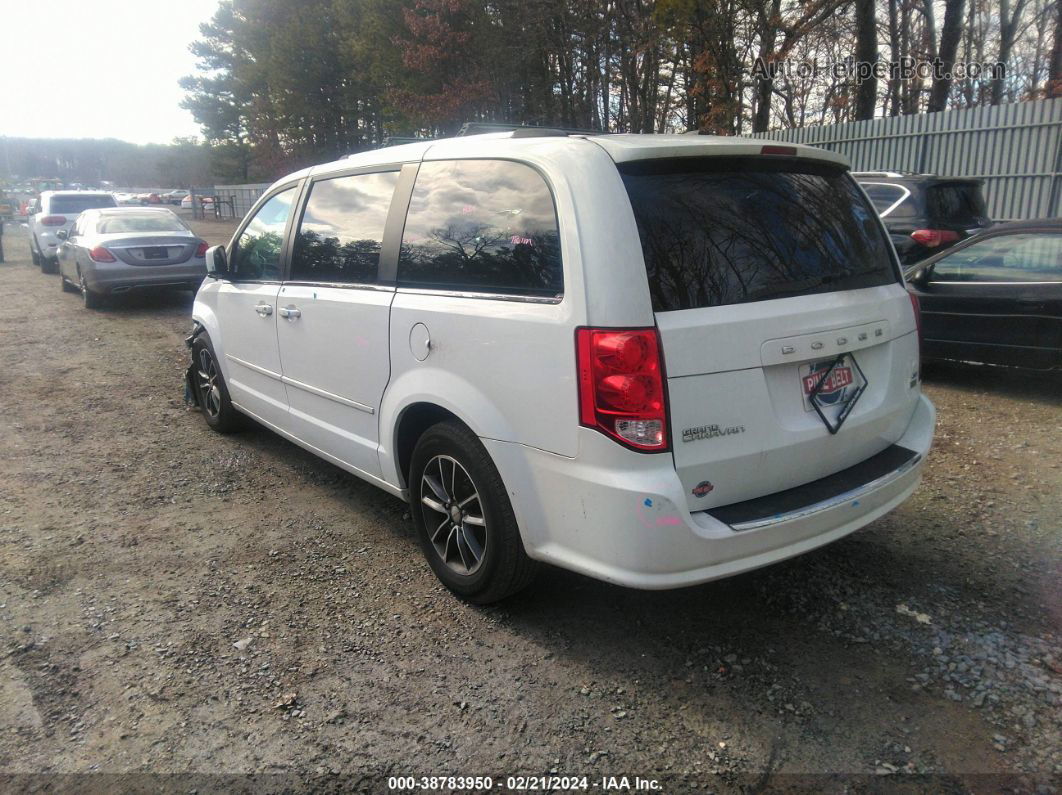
(482, 226)
(1024, 257)
(956, 203)
(730, 230)
(141, 222)
(257, 254)
(72, 205)
(342, 229)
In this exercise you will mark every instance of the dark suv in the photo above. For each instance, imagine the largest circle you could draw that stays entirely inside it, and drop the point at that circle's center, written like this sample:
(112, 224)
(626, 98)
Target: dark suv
(924, 213)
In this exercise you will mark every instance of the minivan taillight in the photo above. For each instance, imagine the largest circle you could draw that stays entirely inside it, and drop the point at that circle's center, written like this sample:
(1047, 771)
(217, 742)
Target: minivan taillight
(621, 386)
(100, 254)
(931, 238)
(53, 220)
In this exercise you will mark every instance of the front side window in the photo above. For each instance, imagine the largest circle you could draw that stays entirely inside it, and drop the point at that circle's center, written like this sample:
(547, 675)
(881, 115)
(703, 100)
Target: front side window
(481, 226)
(1023, 257)
(724, 230)
(342, 228)
(257, 254)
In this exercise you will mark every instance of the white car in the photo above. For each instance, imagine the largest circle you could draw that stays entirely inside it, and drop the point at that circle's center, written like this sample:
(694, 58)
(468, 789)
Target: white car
(206, 202)
(57, 211)
(656, 360)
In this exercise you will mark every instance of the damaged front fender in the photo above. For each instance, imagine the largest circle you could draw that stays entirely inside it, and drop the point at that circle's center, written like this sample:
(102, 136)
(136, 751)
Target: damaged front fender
(191, 394)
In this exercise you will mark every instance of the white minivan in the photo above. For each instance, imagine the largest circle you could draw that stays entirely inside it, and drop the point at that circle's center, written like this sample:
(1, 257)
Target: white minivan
(657, 360)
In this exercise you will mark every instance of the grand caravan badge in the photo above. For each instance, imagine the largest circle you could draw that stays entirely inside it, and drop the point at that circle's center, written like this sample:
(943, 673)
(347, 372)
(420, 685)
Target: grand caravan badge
(831, 389)
(710, 432)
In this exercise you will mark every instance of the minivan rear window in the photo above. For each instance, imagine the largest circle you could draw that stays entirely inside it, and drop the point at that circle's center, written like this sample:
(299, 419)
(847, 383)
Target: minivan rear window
(74, 205)
(718, 231)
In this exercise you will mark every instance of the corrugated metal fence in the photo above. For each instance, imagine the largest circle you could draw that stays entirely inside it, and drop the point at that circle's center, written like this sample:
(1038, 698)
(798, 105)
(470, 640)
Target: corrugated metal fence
(1016, 149)
(226, 201)
(241, 196)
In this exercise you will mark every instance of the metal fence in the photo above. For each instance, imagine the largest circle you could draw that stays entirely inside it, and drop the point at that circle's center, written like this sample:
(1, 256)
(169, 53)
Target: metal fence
(1016, 149)
(225, 201)
(242, 197)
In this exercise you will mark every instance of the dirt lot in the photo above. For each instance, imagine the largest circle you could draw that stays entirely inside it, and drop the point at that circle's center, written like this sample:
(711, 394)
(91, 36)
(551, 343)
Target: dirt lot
(174, 601)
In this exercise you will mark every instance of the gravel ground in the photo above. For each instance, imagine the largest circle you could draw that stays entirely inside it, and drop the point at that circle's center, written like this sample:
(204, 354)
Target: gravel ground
(173, 601)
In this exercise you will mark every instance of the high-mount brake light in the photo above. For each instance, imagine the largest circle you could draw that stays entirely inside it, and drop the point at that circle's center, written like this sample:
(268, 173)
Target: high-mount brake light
(53, 220)
(621, 386)
(931, 238)
(787, 151)
(100, 254)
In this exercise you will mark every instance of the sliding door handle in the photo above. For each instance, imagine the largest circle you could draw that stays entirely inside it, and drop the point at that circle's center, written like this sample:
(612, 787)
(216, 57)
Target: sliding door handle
(290, 312)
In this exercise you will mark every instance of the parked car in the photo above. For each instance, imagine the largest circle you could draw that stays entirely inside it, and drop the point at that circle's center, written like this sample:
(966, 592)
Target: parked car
(56, 212)
(924, 213)
(117, 250)
(174, 197)
(996, 298)
(127, 199)
(149, 198)
(206, 202)
(656, 360)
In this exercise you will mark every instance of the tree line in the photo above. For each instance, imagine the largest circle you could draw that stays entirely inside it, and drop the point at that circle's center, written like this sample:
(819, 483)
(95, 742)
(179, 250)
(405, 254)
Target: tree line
(284, 84)
(87, 161)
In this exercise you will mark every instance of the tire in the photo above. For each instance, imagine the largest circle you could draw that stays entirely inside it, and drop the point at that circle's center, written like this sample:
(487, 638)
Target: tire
(34, 255)
(444, 502)
(67, 286)
(48, 265)
(91, 300)
(211, 392)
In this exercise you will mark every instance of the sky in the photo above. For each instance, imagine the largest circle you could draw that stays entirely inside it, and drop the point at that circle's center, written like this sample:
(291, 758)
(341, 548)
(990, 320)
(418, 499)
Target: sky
(98, 68)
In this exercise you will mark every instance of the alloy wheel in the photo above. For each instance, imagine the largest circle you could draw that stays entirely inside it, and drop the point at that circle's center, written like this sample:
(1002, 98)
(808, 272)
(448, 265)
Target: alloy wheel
(453, 514)
(209, 388)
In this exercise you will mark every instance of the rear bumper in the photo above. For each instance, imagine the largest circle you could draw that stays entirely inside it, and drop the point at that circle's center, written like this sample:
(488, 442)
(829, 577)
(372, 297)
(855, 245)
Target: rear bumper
(119, 277)
(626, 521)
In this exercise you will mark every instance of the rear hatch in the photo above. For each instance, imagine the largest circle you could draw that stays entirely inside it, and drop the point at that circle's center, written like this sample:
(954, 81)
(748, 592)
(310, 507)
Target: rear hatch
(789, 341)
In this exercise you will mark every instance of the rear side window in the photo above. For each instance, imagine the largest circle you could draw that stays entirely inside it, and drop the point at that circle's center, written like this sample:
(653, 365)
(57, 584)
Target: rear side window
(891, 201)
(482, 226)
(718, 231)
(72, 205)
(956, 203)
(342, 229)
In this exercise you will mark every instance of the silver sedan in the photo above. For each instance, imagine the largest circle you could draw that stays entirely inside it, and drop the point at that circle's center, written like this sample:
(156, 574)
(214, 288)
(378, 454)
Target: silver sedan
(115, 250)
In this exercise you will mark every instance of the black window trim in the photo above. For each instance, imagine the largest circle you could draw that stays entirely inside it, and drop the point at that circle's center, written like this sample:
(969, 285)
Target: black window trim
(485, 295)
(384, 267)
(285, 248)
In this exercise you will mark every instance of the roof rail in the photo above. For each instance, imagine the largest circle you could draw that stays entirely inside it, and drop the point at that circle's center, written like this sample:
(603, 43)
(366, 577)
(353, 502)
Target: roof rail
(522, 130)
(890, 174)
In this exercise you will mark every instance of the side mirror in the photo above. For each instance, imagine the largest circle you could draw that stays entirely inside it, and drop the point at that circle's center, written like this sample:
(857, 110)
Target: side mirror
(61, 234)
(920, 276)
(217, 263)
